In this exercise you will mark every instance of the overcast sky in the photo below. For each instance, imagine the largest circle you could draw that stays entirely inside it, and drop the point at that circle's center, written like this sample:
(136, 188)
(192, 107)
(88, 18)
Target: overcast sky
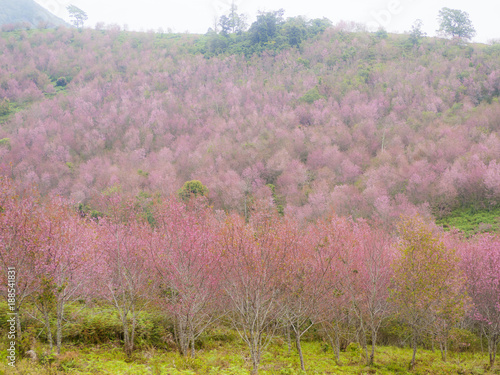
(196, 16)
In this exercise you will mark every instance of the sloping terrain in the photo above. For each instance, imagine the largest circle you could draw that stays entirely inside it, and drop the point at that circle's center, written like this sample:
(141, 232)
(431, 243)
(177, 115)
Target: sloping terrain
(364, 124)
(27, 13)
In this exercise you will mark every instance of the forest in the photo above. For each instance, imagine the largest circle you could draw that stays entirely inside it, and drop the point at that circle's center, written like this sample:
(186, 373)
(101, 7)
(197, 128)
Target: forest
(177, 275)
(296, 197)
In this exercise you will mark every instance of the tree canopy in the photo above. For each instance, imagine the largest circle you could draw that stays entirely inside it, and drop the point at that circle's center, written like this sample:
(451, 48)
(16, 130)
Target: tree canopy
(271, 31)
(455, 23)
(416, 33)
(192, 188)
(78, 16)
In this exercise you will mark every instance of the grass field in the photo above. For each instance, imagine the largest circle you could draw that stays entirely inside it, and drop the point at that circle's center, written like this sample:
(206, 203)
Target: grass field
(222, 357)
(470, 221)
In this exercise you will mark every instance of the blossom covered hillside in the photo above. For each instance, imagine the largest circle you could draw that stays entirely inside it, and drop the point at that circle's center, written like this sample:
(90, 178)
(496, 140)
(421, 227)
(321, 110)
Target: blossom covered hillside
(365, 124)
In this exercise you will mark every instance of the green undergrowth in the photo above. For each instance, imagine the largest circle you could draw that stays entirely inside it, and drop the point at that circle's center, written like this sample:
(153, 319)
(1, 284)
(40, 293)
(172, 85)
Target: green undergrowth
(225, 356)
(471, 221)
(14, 107)
(93, 344)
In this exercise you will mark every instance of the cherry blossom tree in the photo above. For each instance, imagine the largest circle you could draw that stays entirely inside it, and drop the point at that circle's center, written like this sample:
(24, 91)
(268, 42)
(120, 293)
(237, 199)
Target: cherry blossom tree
(67, 260)
(307, 281)
(252, 272)
(124, 271)
(335, 241)
(20, 237)
(185, 261)
(371, 282)
(481, 261)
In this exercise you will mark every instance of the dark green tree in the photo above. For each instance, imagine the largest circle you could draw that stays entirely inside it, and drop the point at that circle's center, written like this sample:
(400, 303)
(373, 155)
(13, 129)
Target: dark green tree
(4, 106)
(78, 16)
(295, 30)
(225, 25)
(237, 22)
(416, 33)
(233, 23)
(455, 23)
(267, 27)
(318, 25)
(193, 188)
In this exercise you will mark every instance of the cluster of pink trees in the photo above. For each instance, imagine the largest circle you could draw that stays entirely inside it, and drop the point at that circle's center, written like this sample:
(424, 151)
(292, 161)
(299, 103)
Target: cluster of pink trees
(265, 275)
(386, 135)
(482, 264)
(52, 251)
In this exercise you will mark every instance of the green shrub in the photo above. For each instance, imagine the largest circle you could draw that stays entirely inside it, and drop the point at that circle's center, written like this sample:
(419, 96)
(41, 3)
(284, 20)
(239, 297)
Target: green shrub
(25, 342)
(4, 107)
(94, 327)
(61, 82)
(471, 221)
(311, 96)
(462, 340)
(46, 358)
(193, 188)
(304, 62)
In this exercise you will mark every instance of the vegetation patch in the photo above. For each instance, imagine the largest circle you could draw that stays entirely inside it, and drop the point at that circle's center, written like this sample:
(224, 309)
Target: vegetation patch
(471, 221)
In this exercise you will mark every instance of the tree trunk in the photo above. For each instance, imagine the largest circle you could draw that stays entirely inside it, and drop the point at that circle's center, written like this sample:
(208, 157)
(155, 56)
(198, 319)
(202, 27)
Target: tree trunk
(255, 366)
(18, 322)
(255, 362)
(364, 345)
(125, 334)
(337, 347)
(372, 354)
(59, 334)
(132, 333)
(443, 347)
(288, 339)
(492, 348)
(60, 318)
(181, 336)
(49, 331)
(255, 352)
(299, 349)
(128, 335)
(191, 339)
(412, 363)
(176, 336)
(335, 343)
(481, 341)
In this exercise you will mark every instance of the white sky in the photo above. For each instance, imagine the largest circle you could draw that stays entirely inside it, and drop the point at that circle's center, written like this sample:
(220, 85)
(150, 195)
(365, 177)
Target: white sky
(196, 16)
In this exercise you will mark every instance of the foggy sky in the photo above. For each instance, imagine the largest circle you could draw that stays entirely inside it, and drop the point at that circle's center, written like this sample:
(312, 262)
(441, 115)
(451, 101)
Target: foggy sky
(196, 16)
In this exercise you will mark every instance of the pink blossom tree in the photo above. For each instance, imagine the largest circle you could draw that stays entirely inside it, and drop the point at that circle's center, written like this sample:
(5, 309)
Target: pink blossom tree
(307, 280)
(370, 280)
(335, 240)
(185, 261)
(124, 270)
(66, 261)
(20, 232)
(252, 274)
(482, 266)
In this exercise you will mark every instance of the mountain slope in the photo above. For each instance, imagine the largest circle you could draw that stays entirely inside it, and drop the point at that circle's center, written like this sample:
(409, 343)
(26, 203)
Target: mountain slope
(27, 12)
(351, 122)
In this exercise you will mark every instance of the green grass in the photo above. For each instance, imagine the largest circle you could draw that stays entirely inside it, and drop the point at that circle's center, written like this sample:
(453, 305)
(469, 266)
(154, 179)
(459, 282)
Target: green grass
(232, 358)
(470, 221)
(14, 108)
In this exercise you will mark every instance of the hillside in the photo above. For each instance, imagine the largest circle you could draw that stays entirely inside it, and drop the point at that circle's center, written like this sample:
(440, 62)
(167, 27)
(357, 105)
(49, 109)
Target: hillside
(175, 203)
(27, 13)
(364, 124)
